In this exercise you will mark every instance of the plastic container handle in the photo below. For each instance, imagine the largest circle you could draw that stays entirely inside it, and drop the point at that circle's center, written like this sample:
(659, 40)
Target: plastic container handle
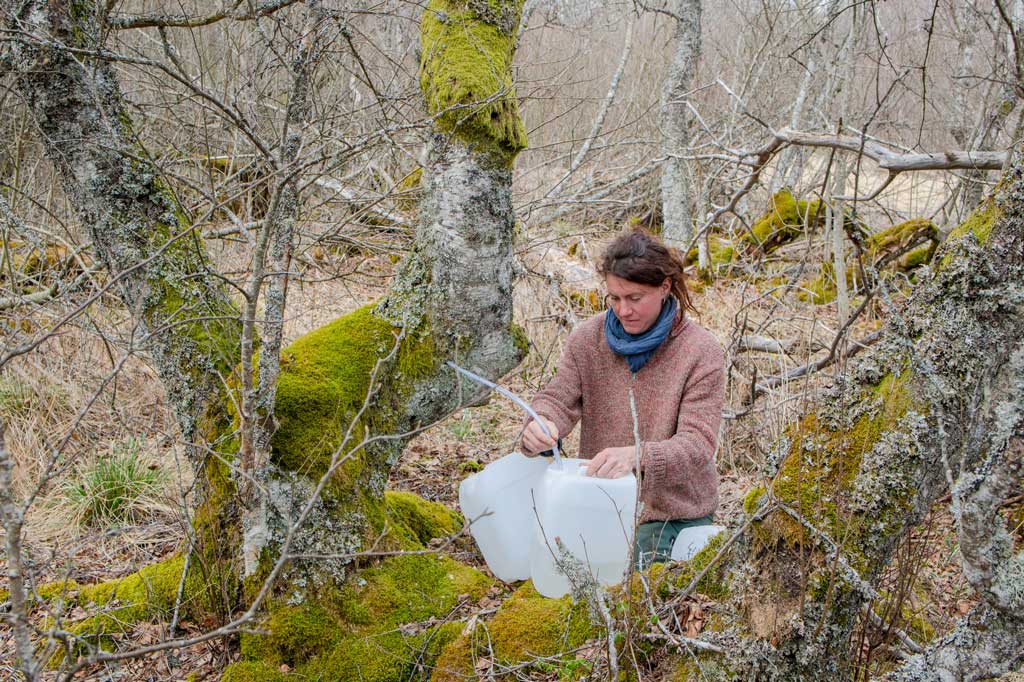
(514, 398)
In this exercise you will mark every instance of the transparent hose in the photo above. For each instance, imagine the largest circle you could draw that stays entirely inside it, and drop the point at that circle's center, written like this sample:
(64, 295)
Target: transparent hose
(514, 398)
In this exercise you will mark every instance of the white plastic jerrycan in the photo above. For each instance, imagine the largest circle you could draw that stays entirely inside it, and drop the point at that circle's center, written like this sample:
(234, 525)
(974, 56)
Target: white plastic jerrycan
(593, 518)
(692, 540)
(503, 490)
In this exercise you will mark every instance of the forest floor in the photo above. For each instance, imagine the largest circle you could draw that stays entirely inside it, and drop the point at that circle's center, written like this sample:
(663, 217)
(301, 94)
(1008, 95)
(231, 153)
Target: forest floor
(932, 590)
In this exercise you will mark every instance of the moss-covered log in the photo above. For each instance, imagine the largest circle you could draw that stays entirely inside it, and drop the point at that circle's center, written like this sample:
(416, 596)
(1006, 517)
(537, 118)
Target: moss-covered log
(786, 218)
(902, 247)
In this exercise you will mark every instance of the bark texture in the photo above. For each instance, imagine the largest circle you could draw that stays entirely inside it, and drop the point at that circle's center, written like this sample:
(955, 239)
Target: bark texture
(139, 232)
(675, 124)
(347, 393)
(937, 406)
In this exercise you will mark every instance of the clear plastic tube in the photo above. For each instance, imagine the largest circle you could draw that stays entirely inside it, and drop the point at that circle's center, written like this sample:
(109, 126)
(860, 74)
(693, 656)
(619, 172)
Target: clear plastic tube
(514, 398)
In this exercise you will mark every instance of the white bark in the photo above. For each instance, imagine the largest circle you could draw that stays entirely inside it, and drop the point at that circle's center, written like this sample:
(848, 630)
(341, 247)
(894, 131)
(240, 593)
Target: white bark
(675, 124)
(12, 517)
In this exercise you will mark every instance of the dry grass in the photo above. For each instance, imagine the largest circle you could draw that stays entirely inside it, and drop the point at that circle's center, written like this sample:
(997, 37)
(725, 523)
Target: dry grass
(43, 396)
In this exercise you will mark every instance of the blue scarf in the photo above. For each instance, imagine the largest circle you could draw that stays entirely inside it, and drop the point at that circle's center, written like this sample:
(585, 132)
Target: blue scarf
(638, 348)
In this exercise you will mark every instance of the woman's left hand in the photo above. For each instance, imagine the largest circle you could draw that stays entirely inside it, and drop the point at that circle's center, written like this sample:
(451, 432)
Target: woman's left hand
(612, 462)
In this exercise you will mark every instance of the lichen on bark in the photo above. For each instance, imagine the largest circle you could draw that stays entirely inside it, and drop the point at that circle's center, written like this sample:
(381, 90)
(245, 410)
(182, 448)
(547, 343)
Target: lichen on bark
(856, 476)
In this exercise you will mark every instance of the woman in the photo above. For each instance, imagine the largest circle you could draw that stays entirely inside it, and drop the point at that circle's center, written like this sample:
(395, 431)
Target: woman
(644, 341)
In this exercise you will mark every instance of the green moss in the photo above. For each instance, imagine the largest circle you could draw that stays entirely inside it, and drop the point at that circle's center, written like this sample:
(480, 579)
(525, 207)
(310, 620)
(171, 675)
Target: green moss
(753, 498)
(915, 258)
(979, 223)
(295, 633)
(60, 589)
(902, 236)
(155, 586)
(218, 535)
(380, 657)
(465, 72)
(123, 603)
(423, 520)
(368, 625)
(249, 671)
(411, 588)
(822, 289)
(325, 376)
(520, 339)
(917, 626)
(785, 219)
(409, 191)
(713, 584)
(816, 474)
(526, 626)
(702, 666)
(721, 254)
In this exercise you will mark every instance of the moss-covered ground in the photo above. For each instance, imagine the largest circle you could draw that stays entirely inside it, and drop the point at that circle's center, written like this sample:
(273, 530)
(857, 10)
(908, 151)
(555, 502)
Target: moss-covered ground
(527, 627)
(382, 623)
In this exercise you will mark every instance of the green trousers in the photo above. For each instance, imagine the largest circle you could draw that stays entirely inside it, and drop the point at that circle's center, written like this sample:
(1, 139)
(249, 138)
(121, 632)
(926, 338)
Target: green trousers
(654, 539)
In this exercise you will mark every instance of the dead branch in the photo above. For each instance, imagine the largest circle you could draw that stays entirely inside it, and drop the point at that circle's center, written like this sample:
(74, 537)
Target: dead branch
(238, 11)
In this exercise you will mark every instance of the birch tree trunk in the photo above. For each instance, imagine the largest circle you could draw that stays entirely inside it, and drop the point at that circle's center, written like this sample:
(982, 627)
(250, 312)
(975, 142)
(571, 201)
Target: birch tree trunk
(348, 394)
(675, 124)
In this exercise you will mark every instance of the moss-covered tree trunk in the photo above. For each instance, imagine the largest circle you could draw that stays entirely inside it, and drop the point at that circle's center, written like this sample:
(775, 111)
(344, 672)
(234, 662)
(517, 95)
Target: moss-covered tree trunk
(348, 393)
(937, 406)
(156, 264)
(452, 299)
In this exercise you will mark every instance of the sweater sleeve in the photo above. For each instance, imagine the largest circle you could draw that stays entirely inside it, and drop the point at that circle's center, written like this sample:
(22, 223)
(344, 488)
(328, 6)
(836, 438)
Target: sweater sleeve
(561, 400)
(686, 460)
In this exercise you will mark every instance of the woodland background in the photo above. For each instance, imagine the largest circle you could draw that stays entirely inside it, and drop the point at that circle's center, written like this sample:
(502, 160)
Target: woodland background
(810, 157)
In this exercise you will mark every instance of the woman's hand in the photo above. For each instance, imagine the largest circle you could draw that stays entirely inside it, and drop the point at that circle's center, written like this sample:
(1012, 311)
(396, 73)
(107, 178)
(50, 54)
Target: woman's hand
(612, 462)
(535, 440)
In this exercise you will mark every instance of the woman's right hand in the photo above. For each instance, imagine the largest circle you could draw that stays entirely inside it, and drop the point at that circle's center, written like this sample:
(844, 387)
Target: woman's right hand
(535, 440)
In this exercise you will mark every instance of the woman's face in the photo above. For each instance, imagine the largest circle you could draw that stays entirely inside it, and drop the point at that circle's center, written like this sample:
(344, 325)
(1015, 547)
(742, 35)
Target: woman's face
(636, 305)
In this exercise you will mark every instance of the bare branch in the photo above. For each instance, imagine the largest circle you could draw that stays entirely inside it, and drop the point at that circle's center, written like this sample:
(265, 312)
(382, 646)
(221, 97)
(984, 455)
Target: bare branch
(237, 11)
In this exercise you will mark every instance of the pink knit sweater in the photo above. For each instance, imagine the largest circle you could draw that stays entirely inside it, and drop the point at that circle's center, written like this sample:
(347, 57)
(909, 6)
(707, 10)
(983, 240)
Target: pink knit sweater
(679, 395)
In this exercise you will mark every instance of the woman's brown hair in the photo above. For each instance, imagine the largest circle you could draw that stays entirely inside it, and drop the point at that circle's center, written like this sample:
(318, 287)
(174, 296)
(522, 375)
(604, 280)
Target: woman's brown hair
(638, 256)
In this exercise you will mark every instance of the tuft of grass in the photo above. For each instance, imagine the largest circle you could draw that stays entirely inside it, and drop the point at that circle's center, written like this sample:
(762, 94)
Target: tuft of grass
(15, 396)
(119, 488)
